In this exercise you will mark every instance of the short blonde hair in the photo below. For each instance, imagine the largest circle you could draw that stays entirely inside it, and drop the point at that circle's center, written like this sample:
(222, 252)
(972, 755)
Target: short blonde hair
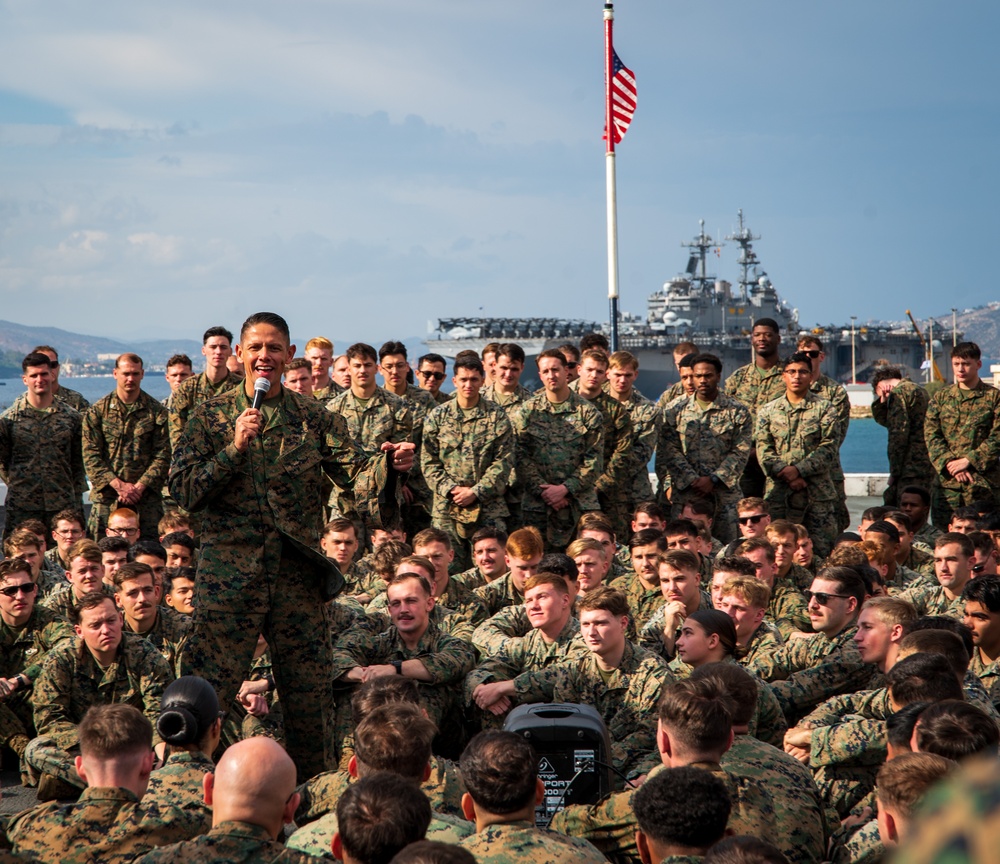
(623, 360)
(584, 544)
(319, 342)
(749, 589)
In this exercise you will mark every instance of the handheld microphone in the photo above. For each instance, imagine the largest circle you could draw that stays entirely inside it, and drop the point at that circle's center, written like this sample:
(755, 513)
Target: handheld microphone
(260, 388)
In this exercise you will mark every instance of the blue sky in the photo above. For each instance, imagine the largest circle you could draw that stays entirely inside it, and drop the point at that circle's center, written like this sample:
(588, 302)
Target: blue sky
(364, 167)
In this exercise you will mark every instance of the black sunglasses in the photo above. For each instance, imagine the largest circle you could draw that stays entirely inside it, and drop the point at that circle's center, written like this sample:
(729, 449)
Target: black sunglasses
(751, 520)
(26, 588)
(437, 376)
(822, 597)
(812, 352)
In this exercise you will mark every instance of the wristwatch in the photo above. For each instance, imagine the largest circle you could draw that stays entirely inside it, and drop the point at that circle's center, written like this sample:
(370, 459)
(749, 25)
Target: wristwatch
(398, 666)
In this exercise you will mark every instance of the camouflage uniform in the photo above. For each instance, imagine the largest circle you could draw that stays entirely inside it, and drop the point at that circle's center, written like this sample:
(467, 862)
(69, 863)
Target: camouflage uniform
(763, 805)
(647, 418)
(384, 417)
(129, 443)
(457, 598)
(63, 395)
(836, 394)
(863, 846)
(23, 652)
(190, 393)
(619, 462)
(903, 415)
(63, 602)
(706, 442)
(525, 654)
(787, 609)
(931, 599)
(643, 602)
(964, 423)
(107, 824)
(259, 569)
(447, 659)
(316, 838)
(472, 577)
(559, 444)
(509, 842)
(499, 594)
(987, 673)
(958, 821)
(804, 435)
(168, 635)
(42, 461)
(755, 387)
(510, 402)
(473, 448)
(177, 785)
(651, 632)
(325, 394)
(627, 702)
(763, 641)
(72, 681)
(230, 841)
(444, 789)
(674, 391)
(806, 671)
(798, 577)
(496, 632)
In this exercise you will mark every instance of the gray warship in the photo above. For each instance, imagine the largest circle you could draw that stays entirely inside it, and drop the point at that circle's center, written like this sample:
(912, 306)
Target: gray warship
(696, 306)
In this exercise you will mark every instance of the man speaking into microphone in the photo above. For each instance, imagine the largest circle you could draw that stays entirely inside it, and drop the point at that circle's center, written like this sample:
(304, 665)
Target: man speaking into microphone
(256, 476)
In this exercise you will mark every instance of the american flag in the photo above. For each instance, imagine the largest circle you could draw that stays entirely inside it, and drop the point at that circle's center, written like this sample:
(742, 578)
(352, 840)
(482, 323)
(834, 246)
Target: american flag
(623, 98)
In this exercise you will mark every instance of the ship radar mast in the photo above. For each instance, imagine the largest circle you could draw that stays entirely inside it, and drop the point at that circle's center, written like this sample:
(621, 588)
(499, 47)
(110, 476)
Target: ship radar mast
(748, 260)
(697, 269)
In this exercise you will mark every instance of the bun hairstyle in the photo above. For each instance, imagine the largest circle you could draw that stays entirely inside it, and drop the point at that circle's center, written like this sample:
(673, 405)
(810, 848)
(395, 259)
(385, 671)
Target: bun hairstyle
(188, 709)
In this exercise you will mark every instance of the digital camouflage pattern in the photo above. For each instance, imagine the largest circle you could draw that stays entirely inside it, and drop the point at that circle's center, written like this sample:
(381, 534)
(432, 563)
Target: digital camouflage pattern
(711, 442)
(229, 842)
(65, 395)
(23, 652)
(178, 785)
(760, 807)
(764, 640)
(787, 610)
(42, 461)
(473, 448)
(316, 838)
(492, 636)
(863, 846)
(458, 599)
(168, 635)
(903, 415)
(651, 633)
(619, 462)
(643, 602)
(647, 418)
(191, 393)
(627, 702)
(964, 423)
(523, 843)
(384, 417)
(63, 602)
(447, 660)
(499, 594)
(561, 444)
(107, 825)
(444, 789)
(130, 443)
(804, 435)
(932, 599)
(259, 571)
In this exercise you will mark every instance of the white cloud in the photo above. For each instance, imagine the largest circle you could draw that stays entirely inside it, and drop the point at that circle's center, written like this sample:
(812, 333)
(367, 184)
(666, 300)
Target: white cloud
(157, 248)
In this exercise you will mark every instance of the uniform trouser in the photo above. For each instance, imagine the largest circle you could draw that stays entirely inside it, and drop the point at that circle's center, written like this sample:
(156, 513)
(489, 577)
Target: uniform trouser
(556, 526)
(819, 517)
(14, 515)
(946, 498)
(289, 611)
(614, 507)
(149, 510)
(45, 756)
(753, 481)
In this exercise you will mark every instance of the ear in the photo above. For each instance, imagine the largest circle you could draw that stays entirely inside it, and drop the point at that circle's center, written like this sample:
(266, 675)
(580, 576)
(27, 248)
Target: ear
(663, 743)
(896, 633)
(291, 354)
(148, 760)
(337, 847)
(208, 787)
(468, 807)
(729, 743)
(78, 630)
(427, 773)
(78, 762)
(759, 617)
(539, 791)
(352, 767)
(891, 828)
(237, 350)
(291, 805)
(644, 854)
(852, 605)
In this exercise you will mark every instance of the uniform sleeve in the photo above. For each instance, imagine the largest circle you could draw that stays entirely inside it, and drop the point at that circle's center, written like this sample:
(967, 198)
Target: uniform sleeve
(493, 482)
(984, 457)
(492, 636)
(50, 637)
(592, 464)
(52, 699)
(730, 469)
(767, 451)
(155, 676)
(451, 662)
(96, 460)
(156, 472)
(825, 457)
(619, 465)
(937, 444)
(76, 467)
(854, 742)
(431, 465)
(528, 475)
(808, 687)
(541, 685)
(609, 825)
(670, 459)
(180, 410)
(201, 469)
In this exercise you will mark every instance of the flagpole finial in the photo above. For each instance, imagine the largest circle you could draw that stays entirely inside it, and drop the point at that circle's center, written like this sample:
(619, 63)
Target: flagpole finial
(609, 11)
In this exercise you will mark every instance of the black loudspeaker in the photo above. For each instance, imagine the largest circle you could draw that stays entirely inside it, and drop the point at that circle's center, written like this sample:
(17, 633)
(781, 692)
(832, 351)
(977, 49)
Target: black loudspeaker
(574, 753)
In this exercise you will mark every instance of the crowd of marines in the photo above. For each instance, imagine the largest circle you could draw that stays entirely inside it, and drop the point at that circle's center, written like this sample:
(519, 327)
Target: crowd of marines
(294, 628)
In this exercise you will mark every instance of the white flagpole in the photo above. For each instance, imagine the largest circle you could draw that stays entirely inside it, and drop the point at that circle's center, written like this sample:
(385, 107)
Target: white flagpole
(609, 161)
